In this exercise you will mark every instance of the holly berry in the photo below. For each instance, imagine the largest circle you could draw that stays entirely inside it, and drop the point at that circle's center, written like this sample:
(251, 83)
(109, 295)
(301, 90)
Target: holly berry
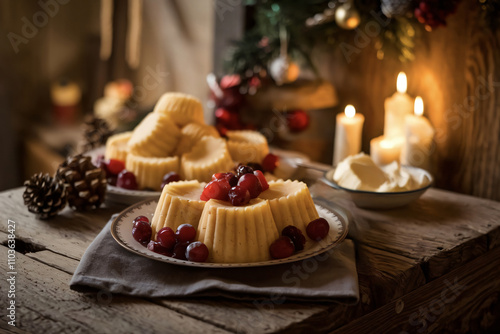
(270, 162)
(142, 232)
(166, 237)
(262, 180)
(197, 252)
(239, 196)
(296, 236)
(115, 166)
(281, 248)
(297, 120)
(251, 183)
(318, 229)
(126, 180)
(185, 232)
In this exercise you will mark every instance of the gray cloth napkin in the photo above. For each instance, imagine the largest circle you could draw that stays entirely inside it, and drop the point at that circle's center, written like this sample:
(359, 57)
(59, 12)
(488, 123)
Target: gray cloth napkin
(108, 267)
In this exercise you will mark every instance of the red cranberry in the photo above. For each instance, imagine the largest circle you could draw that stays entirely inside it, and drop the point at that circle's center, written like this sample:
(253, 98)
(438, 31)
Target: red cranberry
(216, 189)
(126, 180)
(251, 183)
(142, 232)
(156, 247)
(197, 252)
(140, 219)
(242, 170)
(262, 179)
(180, 250)
(255, 166)
(270, 162)
(115, 166)
(171, 177)
(239, 196)
(112, 180)
(296, 236)
(185, 232)
(281, 248)
(230, 177)
(318, 229)
(166, 237)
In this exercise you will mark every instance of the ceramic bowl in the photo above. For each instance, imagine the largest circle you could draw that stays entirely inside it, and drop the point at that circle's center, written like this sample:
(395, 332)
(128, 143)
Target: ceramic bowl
(383, 200)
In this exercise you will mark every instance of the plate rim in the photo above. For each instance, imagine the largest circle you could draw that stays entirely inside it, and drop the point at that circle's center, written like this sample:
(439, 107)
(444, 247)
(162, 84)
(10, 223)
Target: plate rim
(211, 265)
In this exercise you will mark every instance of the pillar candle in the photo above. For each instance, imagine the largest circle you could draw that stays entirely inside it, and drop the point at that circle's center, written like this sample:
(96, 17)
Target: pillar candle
(397, 107)
(347, 134)
(384, 150)
(419, 134)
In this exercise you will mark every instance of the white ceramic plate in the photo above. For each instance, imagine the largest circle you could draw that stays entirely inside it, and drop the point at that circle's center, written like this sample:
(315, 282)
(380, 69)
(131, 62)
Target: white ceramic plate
(121, 230)
(380, 200)
(129, 197)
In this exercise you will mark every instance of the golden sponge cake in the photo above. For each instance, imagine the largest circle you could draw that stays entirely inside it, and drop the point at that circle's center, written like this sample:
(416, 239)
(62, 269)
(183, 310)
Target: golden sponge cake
(192, 133)
(181, 108)
(149, 171)
(247, 146)
(116, 146)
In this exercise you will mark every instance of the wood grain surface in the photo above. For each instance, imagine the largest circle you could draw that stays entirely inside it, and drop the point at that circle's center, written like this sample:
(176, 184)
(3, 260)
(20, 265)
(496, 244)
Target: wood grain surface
(403, 257)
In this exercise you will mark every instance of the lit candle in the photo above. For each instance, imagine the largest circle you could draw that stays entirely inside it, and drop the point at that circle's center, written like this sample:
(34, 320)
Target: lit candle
(347, 134)
(397, 107)
(419, 134)
(384, 150)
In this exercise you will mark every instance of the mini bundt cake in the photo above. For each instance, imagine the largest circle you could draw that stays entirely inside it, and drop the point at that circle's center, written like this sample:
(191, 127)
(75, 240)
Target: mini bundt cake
(179, 203)
(192, 133)
(237, 234)
(116, 146)
(208, 156)
(247, 146)
(181, 108)
(155, 136)
(291, 204)
(149, 171)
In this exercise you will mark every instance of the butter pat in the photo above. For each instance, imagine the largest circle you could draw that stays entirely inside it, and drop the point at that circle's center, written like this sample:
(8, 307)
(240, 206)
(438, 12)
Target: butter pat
(359, 172)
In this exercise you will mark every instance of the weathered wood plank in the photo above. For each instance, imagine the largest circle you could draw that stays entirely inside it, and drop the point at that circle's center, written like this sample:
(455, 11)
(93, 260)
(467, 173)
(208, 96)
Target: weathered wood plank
(458, 302)
(69, 233)
(46, 304)
(61, 262)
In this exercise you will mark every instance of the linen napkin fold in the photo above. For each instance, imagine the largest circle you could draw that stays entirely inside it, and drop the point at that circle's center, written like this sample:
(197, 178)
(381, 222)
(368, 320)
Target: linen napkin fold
(107, 266)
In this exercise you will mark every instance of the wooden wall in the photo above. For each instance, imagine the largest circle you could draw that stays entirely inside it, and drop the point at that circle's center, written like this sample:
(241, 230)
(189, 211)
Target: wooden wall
(456, 71)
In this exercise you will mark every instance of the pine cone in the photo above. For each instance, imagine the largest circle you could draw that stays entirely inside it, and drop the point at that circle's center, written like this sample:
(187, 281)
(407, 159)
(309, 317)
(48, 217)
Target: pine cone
(44, 195)
(85, 183)
(96, 132)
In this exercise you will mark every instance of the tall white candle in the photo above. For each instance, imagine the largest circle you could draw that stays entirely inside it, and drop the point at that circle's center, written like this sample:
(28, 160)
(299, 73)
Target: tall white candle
(397, 107)
(419, 134)
(384, 150)
(347, 134)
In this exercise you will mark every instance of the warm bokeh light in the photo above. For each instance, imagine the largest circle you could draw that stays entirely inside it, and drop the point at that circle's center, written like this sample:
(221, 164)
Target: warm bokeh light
(418, 109)
(401, 83)
(350, 111)
(385, 143)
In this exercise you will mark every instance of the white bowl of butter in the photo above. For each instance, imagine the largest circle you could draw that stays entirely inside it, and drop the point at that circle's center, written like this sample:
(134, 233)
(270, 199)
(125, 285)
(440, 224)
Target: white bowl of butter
(374, 187)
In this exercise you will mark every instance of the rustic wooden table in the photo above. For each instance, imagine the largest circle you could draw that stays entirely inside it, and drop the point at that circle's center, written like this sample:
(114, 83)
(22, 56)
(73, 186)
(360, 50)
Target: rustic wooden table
(432, 266)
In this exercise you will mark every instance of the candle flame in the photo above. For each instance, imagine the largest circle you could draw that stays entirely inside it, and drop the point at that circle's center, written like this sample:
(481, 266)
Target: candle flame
(418, 109)
(350, 111)
(385, 143)
(401, 83)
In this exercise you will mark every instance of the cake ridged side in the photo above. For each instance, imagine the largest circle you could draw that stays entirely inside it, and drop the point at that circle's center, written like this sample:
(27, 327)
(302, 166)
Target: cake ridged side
(175, 208)
(295, 208)
(116, 146)
(181, 108)
(149, 171)
(237, 234)
(192, 133)
(155, 136)
(247, 146)
(208, 156)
